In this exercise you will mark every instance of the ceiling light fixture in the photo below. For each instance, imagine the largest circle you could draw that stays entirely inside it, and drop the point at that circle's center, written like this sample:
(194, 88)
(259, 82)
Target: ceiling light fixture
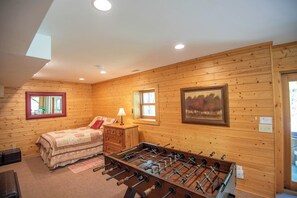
(101, 68)
(103, 5)
(179, 46)
(81, 79)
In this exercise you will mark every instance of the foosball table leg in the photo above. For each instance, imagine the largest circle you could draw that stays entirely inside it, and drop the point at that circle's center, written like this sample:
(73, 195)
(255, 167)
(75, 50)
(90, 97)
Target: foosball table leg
(130, 193)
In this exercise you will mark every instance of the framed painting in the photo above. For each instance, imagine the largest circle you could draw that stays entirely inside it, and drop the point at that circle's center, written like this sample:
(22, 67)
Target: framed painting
(205, 105)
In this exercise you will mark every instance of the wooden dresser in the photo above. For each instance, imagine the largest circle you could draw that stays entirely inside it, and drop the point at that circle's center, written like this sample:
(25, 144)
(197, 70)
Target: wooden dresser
(117, 137)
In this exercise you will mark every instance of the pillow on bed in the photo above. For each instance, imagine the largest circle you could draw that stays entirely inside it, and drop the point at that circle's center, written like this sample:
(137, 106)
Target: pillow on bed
(97, 124)
(108, 120)
(94, 120)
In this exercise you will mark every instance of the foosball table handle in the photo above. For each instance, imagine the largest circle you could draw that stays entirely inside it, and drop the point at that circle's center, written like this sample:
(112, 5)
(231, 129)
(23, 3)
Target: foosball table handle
(149, 190)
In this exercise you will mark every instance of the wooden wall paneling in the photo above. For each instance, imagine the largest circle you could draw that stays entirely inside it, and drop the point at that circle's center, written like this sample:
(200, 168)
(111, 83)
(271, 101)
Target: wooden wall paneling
(247, 71)
(284, 61)
(16, 131)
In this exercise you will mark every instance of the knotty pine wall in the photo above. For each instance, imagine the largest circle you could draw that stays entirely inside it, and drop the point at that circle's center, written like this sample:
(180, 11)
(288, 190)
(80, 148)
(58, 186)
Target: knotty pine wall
(16, 131)
(247, 71)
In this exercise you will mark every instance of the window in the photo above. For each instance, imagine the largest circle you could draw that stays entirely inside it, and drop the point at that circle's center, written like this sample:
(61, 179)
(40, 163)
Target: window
(147, 104)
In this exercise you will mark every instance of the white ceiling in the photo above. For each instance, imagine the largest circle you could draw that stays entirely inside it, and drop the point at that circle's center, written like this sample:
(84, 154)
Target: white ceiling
(141, 34)
(19, 22)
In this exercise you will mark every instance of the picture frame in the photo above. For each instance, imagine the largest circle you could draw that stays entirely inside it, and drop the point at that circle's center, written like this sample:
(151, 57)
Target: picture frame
(205, 105)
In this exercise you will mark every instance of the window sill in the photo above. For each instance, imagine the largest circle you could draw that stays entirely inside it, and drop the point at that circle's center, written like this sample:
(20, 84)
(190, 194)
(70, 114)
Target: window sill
(147, 121)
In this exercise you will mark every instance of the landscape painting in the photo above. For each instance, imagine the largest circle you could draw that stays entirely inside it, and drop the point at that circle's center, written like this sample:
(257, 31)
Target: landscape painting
(205, 105)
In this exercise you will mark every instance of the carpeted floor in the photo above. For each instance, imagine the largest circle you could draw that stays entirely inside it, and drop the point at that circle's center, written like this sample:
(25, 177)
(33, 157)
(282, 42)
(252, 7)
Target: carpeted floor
(285, 196)
(37, 181)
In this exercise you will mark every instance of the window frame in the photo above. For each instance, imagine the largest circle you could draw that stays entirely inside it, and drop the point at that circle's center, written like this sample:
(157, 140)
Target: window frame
(142, 103)
(136, 105)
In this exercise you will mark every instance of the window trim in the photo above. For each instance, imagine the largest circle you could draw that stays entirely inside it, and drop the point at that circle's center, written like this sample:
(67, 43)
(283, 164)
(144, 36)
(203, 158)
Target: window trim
(136, 106)
(142, 103)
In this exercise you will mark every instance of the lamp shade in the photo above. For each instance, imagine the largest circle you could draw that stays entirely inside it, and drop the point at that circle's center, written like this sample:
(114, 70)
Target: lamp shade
(121, 112)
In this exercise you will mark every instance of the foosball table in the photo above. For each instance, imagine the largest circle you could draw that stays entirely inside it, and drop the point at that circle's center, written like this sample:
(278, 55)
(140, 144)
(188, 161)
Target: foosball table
(151, 170)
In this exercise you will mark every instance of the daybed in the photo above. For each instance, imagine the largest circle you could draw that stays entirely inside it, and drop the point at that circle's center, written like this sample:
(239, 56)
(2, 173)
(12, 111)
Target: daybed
(59, 148)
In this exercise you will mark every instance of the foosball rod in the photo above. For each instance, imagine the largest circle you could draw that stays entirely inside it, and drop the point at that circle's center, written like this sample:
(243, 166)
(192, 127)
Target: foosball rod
(166, 145)
(153, 150)
(131, 155)
(143, 179)
(111, 169)
(142, 156)
(120, 182)
(216, 177)
(204, 161)
(193, 164)
(185, 179)
(151, 167)
(164, 160)
(171, 191)
(206, 176)
(156, 155)
(101, 167)
(171, 155)
(119, 173)
(127, 149)
(159, 161)
(213, 182)
(179, 157)
(180, 167)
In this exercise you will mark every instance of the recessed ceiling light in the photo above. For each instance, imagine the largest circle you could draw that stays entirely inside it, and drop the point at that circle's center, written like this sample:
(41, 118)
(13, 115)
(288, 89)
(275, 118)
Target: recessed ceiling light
(103, 5)
(81, 79)
(101, 69)
(179, 46)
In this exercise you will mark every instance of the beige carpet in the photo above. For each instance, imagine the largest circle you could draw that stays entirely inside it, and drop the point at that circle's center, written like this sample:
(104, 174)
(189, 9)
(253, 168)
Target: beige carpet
(37, 181)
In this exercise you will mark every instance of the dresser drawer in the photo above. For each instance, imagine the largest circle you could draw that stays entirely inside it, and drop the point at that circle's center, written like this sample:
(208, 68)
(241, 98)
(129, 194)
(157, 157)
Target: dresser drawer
(114, 139)
(114, 131)
(115, 136)
(111, 148)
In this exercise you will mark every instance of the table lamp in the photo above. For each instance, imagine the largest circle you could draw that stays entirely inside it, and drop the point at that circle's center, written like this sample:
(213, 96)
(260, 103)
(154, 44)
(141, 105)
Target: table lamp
(121, 113)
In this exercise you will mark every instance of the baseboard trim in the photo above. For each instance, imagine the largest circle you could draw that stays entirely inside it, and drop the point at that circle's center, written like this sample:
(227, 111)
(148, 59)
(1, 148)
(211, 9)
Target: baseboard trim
(290, 192)
(247, 192)
(31, 155)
